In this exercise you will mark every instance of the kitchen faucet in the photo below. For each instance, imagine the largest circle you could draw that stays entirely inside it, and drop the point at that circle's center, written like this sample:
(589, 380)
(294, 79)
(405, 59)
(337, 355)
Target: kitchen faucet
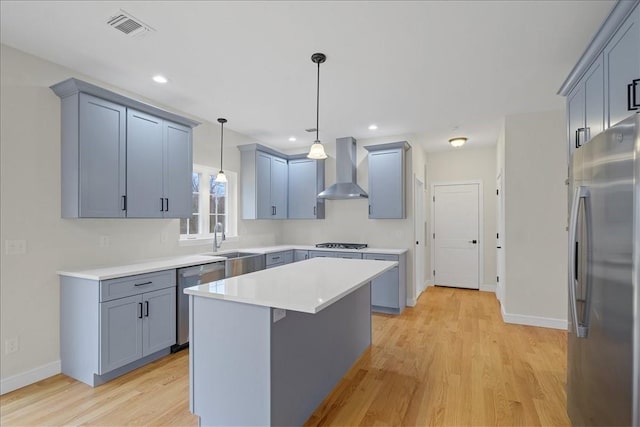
(216, 228)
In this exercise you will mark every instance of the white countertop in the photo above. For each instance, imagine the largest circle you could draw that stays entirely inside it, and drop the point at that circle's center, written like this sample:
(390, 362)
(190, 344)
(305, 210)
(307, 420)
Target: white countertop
(151, 265)
(306, 286)
(148, 266)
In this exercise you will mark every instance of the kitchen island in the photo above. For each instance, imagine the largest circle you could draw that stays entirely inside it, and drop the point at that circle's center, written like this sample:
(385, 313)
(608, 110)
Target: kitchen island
(267, 347)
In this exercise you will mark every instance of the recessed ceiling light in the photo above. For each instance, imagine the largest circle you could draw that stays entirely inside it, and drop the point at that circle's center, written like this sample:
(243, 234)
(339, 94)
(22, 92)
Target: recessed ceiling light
(160, 79)
(292, 139)
(373, 127)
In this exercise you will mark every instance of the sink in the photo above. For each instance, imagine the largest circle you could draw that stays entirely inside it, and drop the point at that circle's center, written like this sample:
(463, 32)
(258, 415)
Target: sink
(238, 263)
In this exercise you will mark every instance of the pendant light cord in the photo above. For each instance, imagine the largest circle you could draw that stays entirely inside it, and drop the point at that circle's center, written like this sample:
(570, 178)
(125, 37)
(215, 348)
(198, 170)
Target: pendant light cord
(318, 105)
(221, 143)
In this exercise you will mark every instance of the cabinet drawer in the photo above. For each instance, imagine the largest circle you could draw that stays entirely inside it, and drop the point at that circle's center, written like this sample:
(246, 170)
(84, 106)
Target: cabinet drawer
(133, 285)
(318, 254)
(382, 257)
(348, 255)
(284, 257)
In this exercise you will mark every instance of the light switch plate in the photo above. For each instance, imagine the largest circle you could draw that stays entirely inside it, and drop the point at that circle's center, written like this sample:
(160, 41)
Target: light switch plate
(15, 247)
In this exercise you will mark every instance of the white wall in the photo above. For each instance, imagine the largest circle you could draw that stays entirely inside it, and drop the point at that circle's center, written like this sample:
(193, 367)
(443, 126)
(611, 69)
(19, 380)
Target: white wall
(347, 220)
(535, 219)
(469, 164)
(30, 210)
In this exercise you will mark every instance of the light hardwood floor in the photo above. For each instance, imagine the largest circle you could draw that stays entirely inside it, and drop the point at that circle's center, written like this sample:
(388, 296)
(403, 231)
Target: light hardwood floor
(448, 361)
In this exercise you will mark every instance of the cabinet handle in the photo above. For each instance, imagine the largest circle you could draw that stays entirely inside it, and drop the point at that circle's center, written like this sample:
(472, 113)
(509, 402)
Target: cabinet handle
(146, 309)
(167, 208)
(314, 211)
(161, 204)
(369, 209)
(143, 283)
(139, 310)
(123, 203)
(273, 210)
(306, 257)
(578, 131)
(275, 257)
(632, 103)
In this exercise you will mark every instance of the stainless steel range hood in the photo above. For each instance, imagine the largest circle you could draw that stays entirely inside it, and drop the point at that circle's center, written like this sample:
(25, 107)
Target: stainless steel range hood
(346, 186)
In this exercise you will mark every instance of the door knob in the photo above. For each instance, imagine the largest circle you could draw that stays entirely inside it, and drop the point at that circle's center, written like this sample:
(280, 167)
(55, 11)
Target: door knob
(474, 241)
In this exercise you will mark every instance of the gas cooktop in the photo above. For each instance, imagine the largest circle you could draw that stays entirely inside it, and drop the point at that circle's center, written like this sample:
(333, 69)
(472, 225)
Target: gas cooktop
(342, 245)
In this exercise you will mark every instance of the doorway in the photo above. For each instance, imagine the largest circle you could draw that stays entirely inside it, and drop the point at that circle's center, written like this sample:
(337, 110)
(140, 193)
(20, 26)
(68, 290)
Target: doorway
(456, 216)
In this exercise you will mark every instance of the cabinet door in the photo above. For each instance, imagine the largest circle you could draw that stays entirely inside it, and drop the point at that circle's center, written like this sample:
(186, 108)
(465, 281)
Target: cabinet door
(576, 116)
(159, 324)
(384, 289)
(386, 179)
(102, 162)
(594, 99)
(263, 186)
(622, 66)
(120, 332)
(300, 255)
(144, 165)
(178, 167)
(279, 175)
(303, 192)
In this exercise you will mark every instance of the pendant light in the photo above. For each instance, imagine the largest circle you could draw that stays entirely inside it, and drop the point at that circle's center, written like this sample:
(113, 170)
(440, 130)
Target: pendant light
(221, 177)
(317, 149)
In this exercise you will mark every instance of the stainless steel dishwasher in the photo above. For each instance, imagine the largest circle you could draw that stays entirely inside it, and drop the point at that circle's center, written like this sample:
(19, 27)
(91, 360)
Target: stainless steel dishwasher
(187, 277)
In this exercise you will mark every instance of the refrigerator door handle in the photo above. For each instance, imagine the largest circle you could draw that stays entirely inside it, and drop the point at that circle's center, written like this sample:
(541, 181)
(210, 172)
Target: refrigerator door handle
(581, 192)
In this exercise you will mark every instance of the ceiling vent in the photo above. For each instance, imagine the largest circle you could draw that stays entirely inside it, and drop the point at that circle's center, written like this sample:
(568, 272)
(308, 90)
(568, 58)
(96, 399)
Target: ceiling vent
(127, 24)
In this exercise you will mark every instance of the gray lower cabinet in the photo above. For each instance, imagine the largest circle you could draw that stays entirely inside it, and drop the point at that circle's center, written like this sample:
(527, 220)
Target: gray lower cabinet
(348, 255)
(387, 180)
(276, 259)
(300, 255)
(388, 291)
(110, 327)
(306, 180)
(120, 157)
(159, 167)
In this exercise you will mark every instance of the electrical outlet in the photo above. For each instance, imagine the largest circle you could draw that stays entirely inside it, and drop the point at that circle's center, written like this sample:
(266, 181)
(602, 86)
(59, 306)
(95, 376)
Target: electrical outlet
(279, 314)
(104, 241)
(15, 247)
(11, 345)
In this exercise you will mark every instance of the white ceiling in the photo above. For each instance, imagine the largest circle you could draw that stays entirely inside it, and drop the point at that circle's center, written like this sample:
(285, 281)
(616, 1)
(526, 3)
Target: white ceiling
(411, 67)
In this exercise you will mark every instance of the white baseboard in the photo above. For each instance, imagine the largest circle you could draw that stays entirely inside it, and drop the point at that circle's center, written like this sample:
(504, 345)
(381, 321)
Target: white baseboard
(34, 375)
(411, 302)
(542, 322)
(488, 287)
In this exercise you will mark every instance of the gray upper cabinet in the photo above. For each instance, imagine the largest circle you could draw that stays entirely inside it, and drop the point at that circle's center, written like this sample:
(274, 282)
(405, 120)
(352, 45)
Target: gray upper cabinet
(585, 106)
(600, 89)
(622, 59)
(263, 184)
(387, 180)
(121, 157)
(306, 180)
(93, 158)
(159, 166)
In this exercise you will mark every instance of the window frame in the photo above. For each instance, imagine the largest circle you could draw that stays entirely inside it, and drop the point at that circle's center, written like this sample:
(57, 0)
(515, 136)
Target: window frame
(231, 204)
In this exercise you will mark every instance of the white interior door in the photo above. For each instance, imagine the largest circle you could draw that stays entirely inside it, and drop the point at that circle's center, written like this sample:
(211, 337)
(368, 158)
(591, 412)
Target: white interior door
(456, 239)
(419, 227)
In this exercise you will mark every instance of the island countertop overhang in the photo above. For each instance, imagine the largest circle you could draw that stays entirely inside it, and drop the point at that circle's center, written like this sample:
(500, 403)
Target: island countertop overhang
(306, 286)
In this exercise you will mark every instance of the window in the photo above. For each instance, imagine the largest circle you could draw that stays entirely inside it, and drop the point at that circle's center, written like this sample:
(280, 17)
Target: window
(211, 202)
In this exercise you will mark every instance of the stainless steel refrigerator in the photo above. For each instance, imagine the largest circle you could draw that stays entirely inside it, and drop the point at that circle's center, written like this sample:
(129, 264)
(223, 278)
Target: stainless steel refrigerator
(603, 364)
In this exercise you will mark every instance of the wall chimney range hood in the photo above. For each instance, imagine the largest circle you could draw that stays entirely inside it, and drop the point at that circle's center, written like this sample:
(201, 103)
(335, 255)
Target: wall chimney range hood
(346, 186)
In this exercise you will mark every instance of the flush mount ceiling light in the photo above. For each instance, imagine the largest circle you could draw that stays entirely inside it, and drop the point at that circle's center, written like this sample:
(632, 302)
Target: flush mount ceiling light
(221, 177)
(317, 150)
(160, 79)
(458, 141)
(292, 139)
(373, 127)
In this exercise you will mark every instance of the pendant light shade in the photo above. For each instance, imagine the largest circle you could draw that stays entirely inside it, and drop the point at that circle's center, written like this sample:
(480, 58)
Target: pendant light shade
(221, 177)
(317, 149)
